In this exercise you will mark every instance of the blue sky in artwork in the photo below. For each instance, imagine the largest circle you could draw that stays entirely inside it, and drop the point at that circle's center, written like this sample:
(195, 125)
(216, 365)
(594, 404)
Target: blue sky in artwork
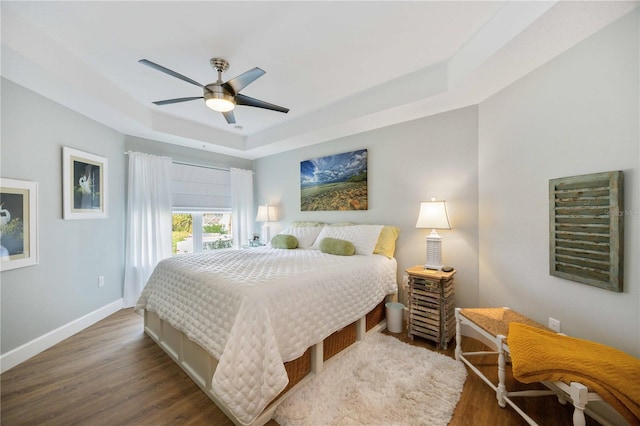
(333, 168)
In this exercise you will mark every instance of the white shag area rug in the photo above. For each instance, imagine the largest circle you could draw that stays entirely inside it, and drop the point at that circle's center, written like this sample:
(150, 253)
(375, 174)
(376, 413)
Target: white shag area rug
(378, 381)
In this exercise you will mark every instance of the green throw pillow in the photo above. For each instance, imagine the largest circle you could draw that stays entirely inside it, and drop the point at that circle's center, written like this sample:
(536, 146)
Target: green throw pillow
(336, 246)
(284, 241)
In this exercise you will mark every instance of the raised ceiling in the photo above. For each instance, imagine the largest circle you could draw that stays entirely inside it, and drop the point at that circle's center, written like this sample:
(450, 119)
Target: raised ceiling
(341, 67)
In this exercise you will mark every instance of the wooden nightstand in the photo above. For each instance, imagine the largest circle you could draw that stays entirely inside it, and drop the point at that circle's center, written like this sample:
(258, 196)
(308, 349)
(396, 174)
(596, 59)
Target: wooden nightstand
(431, 305)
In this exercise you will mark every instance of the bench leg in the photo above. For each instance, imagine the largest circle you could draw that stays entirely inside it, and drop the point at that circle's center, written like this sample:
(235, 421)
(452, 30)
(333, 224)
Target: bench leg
(501, 390)
(580, 397)
(458, 335)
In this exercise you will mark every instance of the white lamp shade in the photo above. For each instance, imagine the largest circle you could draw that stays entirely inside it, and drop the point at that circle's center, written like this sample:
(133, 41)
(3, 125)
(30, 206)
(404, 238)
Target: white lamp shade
(433, 214)
(266, 213)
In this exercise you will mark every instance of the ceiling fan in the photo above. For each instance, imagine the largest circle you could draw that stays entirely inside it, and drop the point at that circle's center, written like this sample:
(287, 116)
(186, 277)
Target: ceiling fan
(220, 96)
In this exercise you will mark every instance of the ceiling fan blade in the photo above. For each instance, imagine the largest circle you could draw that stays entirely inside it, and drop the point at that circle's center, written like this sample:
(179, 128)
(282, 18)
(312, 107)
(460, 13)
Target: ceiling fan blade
(236, 84)
(246, 100)
(176, 100)
(231, 119)
(168, 71)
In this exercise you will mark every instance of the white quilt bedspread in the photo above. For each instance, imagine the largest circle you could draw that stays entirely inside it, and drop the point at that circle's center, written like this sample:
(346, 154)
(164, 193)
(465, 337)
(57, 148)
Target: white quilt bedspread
(255, 309)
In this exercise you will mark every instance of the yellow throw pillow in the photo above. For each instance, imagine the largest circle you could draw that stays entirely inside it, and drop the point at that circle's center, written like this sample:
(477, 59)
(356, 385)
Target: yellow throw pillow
(387, 241)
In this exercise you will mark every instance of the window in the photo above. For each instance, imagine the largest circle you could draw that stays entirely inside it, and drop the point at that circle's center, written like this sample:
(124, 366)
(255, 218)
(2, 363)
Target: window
(194, 232)
(201, 208)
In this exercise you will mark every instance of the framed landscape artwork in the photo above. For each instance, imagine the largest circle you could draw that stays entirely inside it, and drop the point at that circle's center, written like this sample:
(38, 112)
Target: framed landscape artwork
(18, 224)
(84, 178)
(335, 182)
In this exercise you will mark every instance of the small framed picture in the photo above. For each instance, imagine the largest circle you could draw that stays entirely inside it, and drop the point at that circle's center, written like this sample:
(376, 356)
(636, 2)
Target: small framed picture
(18, 223)
(84, 179)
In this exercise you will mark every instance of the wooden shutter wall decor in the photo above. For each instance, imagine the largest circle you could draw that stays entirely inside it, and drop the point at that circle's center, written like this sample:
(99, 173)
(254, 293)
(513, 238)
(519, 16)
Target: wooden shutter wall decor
(586, 229)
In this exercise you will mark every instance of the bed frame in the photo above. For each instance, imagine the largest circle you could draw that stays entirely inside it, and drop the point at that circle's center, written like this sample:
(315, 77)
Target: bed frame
(583, 400)
(200, 365)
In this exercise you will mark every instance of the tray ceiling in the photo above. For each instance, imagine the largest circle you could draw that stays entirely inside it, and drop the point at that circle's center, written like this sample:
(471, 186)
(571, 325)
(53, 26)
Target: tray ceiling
(341, 67)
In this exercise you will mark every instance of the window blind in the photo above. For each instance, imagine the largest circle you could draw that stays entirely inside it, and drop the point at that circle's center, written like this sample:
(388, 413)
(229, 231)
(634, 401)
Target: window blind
(196, 188)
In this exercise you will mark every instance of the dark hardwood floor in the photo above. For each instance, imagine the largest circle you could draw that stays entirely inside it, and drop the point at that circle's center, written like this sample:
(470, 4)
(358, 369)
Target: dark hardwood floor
(113, 374)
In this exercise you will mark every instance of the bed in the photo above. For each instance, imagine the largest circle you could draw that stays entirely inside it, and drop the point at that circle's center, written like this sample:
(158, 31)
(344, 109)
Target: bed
(239, 321)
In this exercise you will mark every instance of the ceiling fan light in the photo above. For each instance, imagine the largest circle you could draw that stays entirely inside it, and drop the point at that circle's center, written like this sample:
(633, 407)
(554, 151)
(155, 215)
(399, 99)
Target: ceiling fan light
(220, 102)
(220, 105)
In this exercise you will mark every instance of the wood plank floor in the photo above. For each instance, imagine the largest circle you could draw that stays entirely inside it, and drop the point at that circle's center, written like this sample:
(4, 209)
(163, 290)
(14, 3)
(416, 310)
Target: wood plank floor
(113, 374)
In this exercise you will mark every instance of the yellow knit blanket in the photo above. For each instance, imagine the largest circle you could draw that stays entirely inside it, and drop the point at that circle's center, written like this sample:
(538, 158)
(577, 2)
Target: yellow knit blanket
(539, 355)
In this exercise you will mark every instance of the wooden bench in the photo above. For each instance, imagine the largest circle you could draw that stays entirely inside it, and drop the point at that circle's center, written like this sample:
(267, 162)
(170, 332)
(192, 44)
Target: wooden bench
(491, 327)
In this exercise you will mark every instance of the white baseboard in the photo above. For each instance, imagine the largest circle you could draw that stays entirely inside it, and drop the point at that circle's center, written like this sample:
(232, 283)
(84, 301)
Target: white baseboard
(34, 347)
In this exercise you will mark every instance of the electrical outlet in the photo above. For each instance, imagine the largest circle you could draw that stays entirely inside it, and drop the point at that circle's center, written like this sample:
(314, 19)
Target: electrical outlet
(554, 324)
(100, 280)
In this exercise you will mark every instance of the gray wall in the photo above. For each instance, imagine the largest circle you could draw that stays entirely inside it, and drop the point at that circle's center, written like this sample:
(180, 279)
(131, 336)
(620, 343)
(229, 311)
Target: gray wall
(410, 162)
(578, 114)
(72, 253)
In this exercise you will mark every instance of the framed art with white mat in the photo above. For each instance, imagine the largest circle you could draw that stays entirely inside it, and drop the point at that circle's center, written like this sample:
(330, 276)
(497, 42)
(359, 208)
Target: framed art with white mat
(84, 178)
(18, 223)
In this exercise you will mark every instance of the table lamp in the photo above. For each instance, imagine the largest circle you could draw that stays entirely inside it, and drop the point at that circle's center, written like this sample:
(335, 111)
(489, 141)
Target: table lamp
(266, 214)
(433, 214)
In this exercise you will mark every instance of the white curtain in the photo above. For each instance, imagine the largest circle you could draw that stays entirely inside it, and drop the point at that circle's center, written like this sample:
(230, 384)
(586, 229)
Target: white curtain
(242, 219)
(148, 221)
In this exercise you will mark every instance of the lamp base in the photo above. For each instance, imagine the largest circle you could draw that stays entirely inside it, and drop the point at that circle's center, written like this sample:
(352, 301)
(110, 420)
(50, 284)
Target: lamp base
(433, 267)
(266, 234)
(434, 252)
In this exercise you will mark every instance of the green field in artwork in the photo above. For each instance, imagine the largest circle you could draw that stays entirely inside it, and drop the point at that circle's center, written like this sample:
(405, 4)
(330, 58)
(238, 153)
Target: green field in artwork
(334, 196)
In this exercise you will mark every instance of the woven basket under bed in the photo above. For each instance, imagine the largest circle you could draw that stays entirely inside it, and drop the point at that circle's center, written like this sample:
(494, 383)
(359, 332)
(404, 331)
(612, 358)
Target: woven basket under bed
(298, 368)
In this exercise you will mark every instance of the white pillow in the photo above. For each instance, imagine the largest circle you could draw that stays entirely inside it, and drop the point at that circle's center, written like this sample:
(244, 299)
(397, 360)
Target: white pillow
(305, 235)
(363, 237)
